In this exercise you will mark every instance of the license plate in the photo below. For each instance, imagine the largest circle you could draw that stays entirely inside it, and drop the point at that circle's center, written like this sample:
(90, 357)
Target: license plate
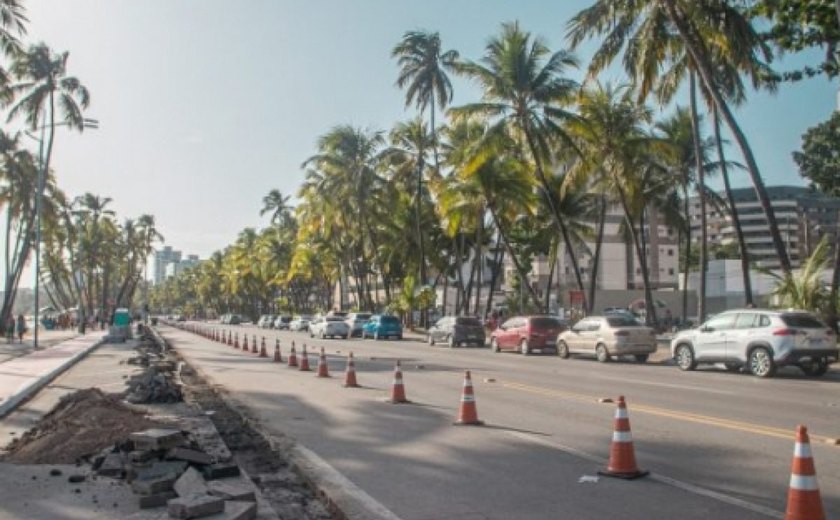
(539, 350)
(815, 342)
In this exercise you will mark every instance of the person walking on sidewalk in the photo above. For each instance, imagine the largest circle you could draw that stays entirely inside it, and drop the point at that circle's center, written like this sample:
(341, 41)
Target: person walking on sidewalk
(21, 327)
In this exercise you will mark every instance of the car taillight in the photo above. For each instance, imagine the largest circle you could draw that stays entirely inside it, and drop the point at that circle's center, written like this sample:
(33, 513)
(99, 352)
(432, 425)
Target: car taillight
(784, 332)
(622, 333)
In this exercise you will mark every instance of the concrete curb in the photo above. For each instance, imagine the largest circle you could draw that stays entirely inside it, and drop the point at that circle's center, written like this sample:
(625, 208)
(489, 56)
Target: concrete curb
(341, 495)
(29, 390)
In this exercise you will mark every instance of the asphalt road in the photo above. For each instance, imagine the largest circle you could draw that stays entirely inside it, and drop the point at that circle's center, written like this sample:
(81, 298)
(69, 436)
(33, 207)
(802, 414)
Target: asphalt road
(718, 444)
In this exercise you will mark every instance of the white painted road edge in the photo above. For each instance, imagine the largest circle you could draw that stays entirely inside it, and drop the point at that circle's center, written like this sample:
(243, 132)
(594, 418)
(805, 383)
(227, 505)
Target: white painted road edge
(28, 390)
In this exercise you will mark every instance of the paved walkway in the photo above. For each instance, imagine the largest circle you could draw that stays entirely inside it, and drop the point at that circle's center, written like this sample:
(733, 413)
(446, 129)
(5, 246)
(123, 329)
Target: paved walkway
(22, 375)
(46, 339)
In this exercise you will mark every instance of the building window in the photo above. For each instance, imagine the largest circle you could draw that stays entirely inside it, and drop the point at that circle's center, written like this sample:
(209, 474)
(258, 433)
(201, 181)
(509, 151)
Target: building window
(670, 252)
(671, 271)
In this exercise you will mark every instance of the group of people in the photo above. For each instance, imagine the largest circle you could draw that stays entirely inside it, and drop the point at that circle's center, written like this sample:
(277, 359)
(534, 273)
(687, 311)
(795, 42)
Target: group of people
(15, 327)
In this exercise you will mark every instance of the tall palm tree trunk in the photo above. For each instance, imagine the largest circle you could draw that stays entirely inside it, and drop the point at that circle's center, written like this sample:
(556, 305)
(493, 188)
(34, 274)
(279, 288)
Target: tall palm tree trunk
(498, 259)
(701, 193)
(650, 314)
(704, 68)
(523, 275)
(736, 220)
(686, 252)
(479, 260)
(596, 258)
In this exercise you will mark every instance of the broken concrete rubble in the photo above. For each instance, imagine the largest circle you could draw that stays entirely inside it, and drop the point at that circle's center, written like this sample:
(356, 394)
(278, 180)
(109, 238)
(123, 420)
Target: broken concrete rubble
(157, 439)
(190, 483)
(195, 506)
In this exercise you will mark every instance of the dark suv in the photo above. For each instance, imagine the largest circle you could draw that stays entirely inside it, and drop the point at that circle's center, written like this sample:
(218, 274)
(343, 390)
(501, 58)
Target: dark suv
(457, 331)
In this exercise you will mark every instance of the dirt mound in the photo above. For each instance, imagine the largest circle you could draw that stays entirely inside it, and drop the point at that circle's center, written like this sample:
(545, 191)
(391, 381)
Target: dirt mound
(81, 425)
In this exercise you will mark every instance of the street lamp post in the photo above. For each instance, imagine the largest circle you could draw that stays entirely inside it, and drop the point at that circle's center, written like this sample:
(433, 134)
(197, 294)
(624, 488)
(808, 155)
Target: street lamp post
(39, 196)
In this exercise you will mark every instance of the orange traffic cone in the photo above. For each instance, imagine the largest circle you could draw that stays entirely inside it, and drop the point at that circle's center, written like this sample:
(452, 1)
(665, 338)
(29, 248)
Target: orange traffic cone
(468, 414)
(230, 338)
(278, 358)
(263, 353)
(304, 360)
(622, 462)
(350, 373)
(292, 357)
(803, 500)
(398, 389)
(254, 349)
(323, 369)
(236, 341)
(245, 342)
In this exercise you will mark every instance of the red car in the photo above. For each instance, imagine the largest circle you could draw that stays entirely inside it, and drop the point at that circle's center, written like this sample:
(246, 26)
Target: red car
(528, 334)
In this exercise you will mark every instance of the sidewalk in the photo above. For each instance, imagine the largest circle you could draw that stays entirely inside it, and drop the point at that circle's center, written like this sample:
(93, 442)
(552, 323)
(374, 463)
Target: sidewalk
(21, 375)
(46, 339)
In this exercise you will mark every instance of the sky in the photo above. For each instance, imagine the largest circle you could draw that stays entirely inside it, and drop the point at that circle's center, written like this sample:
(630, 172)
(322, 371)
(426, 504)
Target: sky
(207, 105)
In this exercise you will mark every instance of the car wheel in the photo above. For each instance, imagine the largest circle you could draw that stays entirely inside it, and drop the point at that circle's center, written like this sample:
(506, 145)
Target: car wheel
(450, 341)
(815, 368)
(311, 335)
(562, 350)
(761, 363)
(346, 336)
(399, 338)
(601, 353)
(431, 341)
(685, 358)
(641, 358)
(494, 345)
(524, 348)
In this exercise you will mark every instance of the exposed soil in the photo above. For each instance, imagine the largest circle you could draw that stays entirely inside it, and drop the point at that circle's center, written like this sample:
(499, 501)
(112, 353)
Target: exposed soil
(81, 425)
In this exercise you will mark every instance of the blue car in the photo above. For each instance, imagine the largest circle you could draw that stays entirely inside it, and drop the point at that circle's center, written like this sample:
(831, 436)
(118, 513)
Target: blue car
(382, 327)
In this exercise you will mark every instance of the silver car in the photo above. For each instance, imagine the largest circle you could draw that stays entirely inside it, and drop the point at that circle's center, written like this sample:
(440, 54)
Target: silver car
(607, 336)
(300, 323)
(758, 340)
(329, 327)
(357, 320)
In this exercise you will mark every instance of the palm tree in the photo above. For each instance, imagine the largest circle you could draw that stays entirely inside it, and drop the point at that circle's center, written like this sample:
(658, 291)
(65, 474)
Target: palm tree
(278, 206)
(681, 35)
(525, 92)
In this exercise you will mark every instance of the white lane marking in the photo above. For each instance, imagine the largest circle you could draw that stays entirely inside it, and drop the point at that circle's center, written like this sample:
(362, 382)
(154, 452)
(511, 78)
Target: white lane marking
(666, 385)
(685, 486)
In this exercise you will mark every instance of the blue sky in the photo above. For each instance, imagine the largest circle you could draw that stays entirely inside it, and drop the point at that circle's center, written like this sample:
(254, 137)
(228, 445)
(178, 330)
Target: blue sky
(206, 105)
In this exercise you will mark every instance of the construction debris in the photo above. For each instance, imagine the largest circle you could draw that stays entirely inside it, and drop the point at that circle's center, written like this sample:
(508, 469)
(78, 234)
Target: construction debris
(159, 382)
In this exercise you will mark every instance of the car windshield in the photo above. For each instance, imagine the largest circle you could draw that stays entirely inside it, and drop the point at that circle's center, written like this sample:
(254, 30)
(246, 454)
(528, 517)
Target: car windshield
(335, 318)
(361, 317)
(390, 320)
(470, 322)
(542, 323)
(285, 319)
(802, 321)
(622, 321)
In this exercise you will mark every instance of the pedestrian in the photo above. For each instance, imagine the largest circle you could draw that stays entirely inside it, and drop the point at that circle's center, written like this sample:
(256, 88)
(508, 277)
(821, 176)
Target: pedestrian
(21, 327)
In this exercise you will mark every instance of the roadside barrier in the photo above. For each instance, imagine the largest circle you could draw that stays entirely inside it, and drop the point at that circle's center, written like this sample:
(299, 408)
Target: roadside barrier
(622, 462)
(398, 388)
(292, 357)
(468, 413)
(803, 500)
(278, 357)
(323, 369)
(304, 360)
(263, 352)
(350, 373)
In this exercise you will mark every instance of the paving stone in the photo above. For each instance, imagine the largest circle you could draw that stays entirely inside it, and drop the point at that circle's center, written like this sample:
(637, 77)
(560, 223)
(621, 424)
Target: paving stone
(190, 483)
(195, 506)
(161, 468)
(198, 457)
(142, 455)
(156, 500)
(221, 470)
(233, 489)
(157, 439)
(112, 466)
(235, 510)
(154, 485)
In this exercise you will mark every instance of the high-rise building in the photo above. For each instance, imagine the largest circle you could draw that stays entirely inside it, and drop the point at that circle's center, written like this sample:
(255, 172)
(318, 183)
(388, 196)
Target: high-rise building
(163, 258)
(802, 215)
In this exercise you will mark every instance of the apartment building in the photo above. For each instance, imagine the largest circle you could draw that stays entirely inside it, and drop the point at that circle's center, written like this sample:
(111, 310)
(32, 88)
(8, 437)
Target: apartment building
(163, 258)
(803, 216)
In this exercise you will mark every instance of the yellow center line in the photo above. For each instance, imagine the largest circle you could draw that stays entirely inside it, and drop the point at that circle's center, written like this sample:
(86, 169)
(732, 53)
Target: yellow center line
(759, 429)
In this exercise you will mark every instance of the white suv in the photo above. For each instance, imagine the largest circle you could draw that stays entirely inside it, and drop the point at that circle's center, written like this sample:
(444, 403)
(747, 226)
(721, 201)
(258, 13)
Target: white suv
(759, 340)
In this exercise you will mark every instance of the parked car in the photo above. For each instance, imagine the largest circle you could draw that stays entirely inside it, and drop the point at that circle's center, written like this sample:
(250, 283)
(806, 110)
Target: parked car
(282, 322)
(357, 320)
(329, 327)
(300, 323)
(340, 314)
(231, 319)
(760, 341)
(457, 331)
(266, 321)
(527, 334)
(605, 337)
(380, 326)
